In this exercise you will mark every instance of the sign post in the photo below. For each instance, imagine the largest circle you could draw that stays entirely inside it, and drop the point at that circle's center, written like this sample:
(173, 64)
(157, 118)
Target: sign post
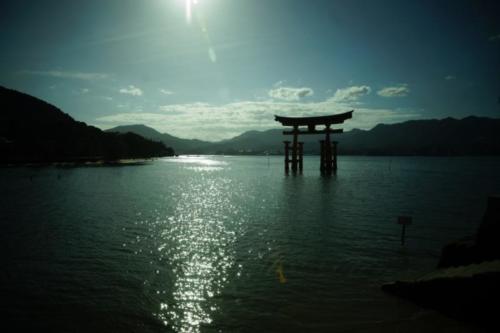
(404, 221)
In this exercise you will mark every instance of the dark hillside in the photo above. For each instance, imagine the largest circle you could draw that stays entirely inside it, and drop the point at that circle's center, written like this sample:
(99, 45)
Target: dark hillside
(32, 130)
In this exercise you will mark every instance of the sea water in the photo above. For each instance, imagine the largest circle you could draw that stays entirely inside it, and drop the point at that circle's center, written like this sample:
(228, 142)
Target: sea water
(232, 244)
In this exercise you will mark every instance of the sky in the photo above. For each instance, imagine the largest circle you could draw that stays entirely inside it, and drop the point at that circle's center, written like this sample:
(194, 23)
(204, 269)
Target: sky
(213, 69)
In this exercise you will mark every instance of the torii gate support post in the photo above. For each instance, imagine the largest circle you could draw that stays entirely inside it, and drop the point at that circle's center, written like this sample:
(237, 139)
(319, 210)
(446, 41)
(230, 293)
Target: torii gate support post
(301, 156)
(322, 155)
(328, 151)
(295, 148)
(287, 156)
(334, 148)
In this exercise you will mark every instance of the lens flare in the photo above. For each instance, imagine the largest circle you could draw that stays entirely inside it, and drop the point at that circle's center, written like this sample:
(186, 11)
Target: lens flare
(189, 6)
(189, 9)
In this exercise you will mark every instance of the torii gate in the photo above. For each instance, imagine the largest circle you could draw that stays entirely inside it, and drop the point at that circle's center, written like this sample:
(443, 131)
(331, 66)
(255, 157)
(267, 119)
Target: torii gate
(328, 148)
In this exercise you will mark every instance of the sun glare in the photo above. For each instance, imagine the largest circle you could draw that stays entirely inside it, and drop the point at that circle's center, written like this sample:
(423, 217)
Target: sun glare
(200, 20)
(189, 9)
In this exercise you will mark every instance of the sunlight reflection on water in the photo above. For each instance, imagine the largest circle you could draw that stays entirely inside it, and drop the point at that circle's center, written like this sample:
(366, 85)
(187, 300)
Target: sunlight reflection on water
(199, 160)
(197, 242)
(205, 168)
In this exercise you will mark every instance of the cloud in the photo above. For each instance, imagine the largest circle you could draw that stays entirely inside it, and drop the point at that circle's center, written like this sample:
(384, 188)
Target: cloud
(216, 122)
(396, 91)
(69, 75)
(351, 94)
(166, 92)
(494, 38)
(450, 77)
(131, 90)
(82, 91)
(290, 93)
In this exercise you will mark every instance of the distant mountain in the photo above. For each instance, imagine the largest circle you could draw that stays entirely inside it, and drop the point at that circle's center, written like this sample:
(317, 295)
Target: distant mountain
(181, 146)
(32, 130)
(449, 136)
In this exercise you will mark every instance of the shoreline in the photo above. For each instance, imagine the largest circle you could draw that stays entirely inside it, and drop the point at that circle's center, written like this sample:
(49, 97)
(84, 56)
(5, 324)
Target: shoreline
(81, 163)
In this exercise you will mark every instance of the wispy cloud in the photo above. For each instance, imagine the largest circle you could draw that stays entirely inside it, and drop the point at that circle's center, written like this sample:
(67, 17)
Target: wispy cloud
(494, 38)
(131, 90)
(68, 75)
(215, 122)
(395, 91)
(290, 93)
(450, 77)
(351, 94)
(82, 91)
(166, 92)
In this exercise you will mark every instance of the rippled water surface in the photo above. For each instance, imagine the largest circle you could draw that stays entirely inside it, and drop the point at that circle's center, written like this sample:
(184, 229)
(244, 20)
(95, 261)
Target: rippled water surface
(231, 244)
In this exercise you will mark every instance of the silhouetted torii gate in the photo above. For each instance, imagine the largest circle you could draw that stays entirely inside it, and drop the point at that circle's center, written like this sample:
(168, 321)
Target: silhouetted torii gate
(328, 148)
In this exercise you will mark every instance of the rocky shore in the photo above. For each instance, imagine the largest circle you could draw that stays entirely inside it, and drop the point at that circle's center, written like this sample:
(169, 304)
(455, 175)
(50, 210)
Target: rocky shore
(466, 283)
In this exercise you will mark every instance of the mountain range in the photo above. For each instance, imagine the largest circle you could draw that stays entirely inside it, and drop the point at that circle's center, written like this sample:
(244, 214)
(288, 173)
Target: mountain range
(34, 131)
(468, 136)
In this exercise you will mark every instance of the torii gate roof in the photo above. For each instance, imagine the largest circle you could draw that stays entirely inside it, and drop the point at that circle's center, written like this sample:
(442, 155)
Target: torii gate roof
(321, 120)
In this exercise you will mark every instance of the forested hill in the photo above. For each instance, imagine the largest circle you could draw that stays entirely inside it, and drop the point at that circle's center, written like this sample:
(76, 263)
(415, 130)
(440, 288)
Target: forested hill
(32, 130)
